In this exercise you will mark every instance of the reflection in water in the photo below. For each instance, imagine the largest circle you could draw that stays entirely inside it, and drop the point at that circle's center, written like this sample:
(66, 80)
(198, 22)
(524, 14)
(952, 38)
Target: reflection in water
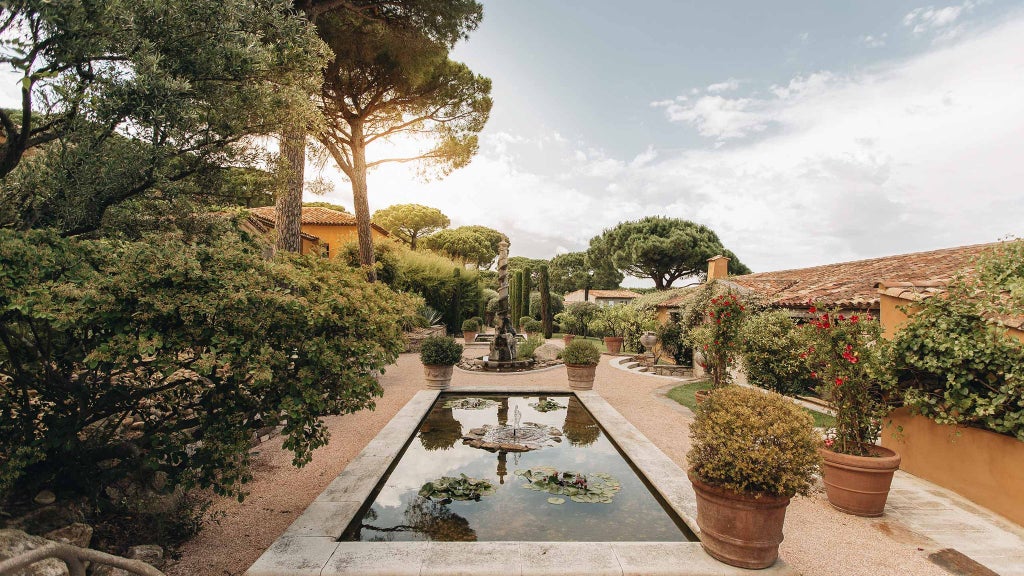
(614, 504)
(440, 430)
(432, 519)
(579, 428)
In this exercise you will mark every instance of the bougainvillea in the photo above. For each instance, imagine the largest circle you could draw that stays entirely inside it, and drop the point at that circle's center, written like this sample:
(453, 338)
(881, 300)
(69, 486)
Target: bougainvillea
(719, 337)
(851, 364)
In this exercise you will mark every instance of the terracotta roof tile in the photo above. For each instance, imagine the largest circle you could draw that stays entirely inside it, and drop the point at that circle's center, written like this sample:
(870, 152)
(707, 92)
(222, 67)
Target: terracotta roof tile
(313, 216)
(854, 284)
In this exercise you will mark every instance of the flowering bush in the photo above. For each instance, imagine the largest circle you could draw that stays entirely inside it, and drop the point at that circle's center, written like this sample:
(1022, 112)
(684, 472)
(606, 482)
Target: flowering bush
(851, 363)
(718, 337)
(772, 345)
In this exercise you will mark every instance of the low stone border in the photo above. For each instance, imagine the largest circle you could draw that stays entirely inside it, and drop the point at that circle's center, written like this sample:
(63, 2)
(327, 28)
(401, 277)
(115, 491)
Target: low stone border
(310, 545)
(510, 373)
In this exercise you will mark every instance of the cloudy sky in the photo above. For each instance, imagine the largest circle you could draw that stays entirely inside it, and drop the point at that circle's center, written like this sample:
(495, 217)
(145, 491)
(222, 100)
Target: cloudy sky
(802, 132)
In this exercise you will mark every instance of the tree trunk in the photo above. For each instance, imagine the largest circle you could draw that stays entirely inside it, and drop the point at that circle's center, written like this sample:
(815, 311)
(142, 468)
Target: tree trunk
(289, 202)
(360, 201)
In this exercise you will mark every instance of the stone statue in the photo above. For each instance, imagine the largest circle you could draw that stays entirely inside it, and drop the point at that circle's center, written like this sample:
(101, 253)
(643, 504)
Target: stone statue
(503, 347)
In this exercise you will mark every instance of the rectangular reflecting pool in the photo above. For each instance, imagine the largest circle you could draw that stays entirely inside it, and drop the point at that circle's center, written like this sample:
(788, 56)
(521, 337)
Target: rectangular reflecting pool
(508, 467)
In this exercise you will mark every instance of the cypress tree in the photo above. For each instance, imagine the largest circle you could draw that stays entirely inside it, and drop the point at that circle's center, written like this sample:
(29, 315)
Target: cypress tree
(515, 296)
(545, 300)
(456, 310)
(525, 289)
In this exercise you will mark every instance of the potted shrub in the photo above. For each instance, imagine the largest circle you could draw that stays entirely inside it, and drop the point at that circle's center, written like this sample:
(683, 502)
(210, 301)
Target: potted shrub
(850, 361)
(752, 451)
(611, 321)
(470, 328)
(581, 358)
(439, 354)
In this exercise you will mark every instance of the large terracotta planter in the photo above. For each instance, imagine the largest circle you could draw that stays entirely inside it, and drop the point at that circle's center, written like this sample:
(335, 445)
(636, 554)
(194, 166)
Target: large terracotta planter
(738, 528)
(701, 395)
(568, 338)
(613, 343)
(438, 377)
(469, 337)
(581, 376)
(859, 485)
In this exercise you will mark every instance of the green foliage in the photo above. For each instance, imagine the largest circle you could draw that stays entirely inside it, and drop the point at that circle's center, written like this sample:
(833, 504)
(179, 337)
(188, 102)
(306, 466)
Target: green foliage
(470, 325)
(853, 366)
(749, 441)
(534, 341)
(771, 348)
(524, 294)
(328, 205)
(409, 222)
(440, 351)
(523, 320)
(662, 249)
(611, 321)
(673, 341)
(718, 338)
(515, 294)
(557, 304)
(547, 310)
(576, 317)
(426, 274)
(138, 100)
(576, 270)
(957, 364)
(581, 352)
(476, 245)
(532, 326)
(196, 341)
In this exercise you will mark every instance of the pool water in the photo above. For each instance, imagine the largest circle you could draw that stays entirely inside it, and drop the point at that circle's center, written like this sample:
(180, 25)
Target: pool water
(576, 486)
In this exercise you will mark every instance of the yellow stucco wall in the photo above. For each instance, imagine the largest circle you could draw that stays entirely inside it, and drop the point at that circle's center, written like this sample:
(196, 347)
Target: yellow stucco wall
(336, 236)
(892, 318)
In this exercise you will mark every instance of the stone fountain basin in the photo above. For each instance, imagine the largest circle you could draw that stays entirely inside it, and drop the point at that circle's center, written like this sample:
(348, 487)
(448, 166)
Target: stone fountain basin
(311, 544)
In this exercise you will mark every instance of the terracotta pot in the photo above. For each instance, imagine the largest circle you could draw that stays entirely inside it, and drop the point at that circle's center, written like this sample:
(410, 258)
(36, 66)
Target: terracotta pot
(469, 337)
(438, 377)
(568, 338)
(701, 395)
(859, 485)
(581, 376)
(613, 343)
(738, 528)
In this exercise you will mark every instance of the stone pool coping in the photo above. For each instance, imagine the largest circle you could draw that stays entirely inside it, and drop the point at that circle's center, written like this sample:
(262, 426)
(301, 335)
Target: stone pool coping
(310, 545)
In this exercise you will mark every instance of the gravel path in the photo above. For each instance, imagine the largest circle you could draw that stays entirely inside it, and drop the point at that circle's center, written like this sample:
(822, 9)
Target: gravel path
(819, 540)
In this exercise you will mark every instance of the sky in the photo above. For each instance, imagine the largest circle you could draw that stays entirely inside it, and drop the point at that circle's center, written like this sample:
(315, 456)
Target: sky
(803, 133)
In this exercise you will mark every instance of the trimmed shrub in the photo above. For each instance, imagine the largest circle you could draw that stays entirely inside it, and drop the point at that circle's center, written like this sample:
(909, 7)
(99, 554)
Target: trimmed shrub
(533, 326)
(470, 325)
(440, 351)
(750, 441)
(771, 347)
(582, 352)
(523, 320)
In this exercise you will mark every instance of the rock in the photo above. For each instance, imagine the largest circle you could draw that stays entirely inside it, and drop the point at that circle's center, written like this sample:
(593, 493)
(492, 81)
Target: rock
(77, 534)
(159, 481)
(149, 553)
(547, 352)
(45, 498)
(15, 542)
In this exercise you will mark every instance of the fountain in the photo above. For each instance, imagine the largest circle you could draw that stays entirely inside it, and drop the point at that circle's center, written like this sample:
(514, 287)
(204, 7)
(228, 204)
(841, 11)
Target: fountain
(505, 343)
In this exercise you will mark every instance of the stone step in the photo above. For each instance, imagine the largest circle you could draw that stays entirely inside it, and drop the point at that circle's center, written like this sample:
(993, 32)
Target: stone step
(631, 365)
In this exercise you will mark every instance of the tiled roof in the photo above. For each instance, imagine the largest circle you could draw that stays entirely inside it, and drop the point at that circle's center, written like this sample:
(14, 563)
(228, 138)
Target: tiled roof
(854, 284)
(313, 216)
(917, 291)
(263, 226)
(595, 294)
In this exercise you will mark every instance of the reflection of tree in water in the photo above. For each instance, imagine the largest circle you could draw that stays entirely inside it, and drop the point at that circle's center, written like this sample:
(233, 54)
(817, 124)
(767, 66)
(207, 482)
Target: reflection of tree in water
(580, 429)
(432, 519)
(440, 430)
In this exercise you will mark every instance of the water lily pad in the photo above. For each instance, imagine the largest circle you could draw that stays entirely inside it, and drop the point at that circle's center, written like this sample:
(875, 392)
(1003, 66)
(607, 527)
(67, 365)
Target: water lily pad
(556, 500)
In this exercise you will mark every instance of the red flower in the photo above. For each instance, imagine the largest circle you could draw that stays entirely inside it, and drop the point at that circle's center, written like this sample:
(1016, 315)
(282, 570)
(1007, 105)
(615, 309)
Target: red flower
(839, 381)
(854, 318)
(812, 309)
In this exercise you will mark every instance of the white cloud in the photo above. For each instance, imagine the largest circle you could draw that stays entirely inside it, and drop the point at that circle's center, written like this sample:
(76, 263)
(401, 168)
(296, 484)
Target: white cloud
(872, 41)
(727, 86)
(913, 155)
(941, 22)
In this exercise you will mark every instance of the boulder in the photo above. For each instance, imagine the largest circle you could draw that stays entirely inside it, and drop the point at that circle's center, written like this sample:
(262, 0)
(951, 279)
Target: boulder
(15, 543)
(45, 498)
(547, 352)
(149, 553)
(77, 534)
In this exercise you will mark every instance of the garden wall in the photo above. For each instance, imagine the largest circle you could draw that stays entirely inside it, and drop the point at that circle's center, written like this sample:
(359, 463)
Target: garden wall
(981, 466)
